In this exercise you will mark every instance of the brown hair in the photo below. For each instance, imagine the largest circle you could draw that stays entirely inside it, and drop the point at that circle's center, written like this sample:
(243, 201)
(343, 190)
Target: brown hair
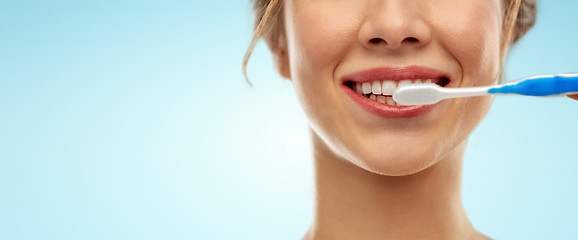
(268, 25)
(520, 16)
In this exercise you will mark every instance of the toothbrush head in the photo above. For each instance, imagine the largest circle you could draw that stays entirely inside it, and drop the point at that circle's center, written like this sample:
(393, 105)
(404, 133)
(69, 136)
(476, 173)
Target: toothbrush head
(418, 94)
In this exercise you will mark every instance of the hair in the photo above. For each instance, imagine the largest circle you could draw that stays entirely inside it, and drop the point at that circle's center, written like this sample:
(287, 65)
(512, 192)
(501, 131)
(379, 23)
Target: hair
(520, 16)
(268, 25)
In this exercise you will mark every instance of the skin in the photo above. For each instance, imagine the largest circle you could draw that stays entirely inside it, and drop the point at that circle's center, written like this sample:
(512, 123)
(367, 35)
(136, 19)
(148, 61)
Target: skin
(326, 40)
(380, 178)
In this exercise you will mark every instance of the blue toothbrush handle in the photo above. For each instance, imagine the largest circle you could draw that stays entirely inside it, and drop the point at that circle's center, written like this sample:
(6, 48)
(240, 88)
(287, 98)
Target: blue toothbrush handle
(541, 86)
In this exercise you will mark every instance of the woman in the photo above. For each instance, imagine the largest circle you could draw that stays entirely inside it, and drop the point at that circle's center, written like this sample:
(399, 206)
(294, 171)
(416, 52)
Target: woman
(385, 171)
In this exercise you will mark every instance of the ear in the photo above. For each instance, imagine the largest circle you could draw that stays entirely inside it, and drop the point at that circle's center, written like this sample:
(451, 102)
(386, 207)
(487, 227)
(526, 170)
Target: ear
(281, 58)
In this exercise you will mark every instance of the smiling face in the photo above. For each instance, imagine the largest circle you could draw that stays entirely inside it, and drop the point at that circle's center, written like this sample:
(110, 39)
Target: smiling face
(331, 49)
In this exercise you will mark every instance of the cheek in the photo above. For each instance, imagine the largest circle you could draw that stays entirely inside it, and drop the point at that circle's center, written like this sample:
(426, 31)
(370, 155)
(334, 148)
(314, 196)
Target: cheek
(320, 34)
(471, 30)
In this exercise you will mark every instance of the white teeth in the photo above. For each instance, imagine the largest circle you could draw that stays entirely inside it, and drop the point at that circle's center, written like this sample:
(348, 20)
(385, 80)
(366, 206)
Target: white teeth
(381, 91)
(376, 87)
(388, 87)
(403, 83)
(366, 87)
(389, 101)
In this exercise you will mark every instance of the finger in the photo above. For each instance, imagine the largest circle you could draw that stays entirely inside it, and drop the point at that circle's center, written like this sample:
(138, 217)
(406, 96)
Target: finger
(575, 97)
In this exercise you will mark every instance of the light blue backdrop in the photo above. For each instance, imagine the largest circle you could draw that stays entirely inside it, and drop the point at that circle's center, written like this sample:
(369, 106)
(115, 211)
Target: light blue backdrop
(131, 120)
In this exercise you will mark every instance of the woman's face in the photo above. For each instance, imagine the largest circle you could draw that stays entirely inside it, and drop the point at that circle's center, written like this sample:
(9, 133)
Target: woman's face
(334, 47)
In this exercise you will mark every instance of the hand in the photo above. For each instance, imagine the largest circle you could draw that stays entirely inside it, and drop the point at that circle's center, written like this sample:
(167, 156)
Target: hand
(575, 97)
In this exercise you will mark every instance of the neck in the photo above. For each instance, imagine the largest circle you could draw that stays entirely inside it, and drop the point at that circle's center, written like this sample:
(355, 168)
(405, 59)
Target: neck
(353, 203)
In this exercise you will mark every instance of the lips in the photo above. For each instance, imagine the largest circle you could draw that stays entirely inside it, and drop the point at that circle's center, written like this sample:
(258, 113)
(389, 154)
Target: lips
(372, 89)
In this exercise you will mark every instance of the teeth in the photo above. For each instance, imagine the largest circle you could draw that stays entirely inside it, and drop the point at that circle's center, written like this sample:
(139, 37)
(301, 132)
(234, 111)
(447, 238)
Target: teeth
(376, 87)
(384, 99)
(388, 87)
(389, 101)
(381, 91)
(403, 83)
(366, 88)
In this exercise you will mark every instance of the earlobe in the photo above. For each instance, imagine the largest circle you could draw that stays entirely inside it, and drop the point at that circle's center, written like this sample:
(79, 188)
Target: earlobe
(282, 61)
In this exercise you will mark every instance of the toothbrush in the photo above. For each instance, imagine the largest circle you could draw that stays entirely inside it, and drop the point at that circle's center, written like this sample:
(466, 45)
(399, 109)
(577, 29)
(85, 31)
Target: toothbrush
(545, 85)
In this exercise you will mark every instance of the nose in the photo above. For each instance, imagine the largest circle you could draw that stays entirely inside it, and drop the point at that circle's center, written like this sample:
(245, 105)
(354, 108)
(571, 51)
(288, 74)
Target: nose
(393, 25)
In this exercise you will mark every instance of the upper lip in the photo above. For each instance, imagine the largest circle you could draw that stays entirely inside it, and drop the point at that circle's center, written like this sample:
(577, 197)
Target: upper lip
(395, 74)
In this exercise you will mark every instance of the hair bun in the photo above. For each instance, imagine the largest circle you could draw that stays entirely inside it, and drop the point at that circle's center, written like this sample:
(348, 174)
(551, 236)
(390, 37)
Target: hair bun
(526, 18)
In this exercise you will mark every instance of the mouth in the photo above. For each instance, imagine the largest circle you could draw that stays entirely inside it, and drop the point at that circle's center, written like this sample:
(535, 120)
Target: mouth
(382, 90)
(373, 89)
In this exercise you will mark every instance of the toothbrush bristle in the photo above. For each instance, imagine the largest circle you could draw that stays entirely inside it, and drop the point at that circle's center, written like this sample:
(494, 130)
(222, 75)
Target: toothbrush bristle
(417, 94)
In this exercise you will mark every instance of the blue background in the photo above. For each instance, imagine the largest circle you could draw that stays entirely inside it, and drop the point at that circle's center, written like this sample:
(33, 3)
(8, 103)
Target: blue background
(131, 120)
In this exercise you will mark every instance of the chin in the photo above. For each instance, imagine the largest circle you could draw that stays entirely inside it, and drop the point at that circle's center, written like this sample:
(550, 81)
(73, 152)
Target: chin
(398, 162)
(391, 167)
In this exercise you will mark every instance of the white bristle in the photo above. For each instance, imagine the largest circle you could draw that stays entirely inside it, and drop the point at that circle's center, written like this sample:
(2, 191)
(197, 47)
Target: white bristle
(418, 94)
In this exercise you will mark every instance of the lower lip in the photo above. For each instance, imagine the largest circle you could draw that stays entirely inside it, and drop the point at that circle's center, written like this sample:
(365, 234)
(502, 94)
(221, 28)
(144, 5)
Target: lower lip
(387, 111)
